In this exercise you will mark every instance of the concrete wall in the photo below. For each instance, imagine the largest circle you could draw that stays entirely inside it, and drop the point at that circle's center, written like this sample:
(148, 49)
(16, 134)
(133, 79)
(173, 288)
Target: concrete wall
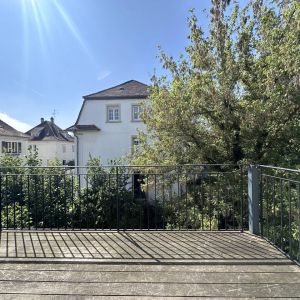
(115, 139)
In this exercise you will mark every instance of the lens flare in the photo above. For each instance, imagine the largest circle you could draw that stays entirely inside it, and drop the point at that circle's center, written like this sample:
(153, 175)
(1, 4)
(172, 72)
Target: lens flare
(41, 14)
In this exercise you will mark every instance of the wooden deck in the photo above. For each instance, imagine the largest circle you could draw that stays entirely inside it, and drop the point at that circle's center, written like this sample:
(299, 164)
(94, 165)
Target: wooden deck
(142, 265)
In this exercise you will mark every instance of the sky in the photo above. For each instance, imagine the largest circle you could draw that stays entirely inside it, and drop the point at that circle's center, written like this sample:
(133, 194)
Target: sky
(53, 52)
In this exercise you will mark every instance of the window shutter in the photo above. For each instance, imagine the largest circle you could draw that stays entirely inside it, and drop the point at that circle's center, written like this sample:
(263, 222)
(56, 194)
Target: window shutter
(19, 147)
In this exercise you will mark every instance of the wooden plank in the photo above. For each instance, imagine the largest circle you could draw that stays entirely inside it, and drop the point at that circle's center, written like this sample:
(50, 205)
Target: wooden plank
(153, 289)
(154, 277)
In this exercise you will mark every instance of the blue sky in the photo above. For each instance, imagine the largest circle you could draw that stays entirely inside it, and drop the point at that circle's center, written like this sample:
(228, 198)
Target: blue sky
(55, 51)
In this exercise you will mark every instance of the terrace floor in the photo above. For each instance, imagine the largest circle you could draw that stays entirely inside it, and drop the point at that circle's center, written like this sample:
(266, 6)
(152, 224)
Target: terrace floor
(142, 265)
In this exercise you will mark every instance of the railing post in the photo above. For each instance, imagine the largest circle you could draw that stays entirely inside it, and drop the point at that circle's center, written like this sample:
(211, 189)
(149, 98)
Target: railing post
(253, 199)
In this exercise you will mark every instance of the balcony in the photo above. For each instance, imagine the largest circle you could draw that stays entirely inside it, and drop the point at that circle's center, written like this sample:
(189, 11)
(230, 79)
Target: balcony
(164, 231)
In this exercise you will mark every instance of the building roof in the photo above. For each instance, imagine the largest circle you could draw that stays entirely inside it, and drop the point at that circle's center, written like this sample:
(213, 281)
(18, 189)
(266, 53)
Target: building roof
(7, 130)
(131, 89)
(91, 127)
(49, 131)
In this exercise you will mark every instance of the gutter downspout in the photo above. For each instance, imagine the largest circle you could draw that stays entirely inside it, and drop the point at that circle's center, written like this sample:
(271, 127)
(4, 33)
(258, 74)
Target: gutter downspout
(77, 159)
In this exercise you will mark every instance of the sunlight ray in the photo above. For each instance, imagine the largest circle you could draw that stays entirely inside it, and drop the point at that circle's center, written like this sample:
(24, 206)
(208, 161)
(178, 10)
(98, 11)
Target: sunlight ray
(25, 39)
(39, 23)
(72, 27)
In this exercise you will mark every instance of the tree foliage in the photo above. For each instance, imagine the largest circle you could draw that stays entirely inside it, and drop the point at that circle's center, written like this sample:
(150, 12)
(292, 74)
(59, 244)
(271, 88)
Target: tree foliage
(234, 96)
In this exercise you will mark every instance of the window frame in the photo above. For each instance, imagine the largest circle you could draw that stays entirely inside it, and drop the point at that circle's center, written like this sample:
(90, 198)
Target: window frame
(11, 147)
(133, 138)
(114, 106)
(132, 112)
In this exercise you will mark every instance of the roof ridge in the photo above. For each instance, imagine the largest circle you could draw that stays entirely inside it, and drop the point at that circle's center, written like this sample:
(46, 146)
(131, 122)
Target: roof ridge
(113, 87)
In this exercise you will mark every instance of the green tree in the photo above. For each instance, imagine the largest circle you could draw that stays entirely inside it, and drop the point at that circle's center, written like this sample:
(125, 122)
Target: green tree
(234, 96)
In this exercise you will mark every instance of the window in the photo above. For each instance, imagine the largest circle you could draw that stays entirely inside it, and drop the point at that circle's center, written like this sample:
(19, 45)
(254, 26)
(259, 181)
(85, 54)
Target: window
(64, 148)
(73, 148)
(113, 113)
(33, 147)
(12, 147)
(134, 143)
(136, 112)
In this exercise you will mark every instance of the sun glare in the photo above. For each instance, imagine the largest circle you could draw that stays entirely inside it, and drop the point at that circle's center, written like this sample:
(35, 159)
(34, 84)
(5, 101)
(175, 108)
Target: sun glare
(41, 14)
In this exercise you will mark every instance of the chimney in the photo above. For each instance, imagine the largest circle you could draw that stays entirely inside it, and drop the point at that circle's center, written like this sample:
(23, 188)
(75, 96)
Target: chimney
(52, 120)
(42, 120)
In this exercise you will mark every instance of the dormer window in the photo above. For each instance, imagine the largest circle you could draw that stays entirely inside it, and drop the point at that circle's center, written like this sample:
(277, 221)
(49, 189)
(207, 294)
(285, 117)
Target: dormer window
(113, 113)
(136, 111)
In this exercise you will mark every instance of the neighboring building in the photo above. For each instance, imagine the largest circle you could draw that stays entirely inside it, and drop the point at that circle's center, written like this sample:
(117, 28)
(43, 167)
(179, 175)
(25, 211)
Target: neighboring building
(12, 141)
(52, 142)
(108, 122)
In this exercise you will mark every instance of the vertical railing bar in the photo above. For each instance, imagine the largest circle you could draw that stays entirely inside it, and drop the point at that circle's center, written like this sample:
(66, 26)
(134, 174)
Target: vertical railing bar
(118, 200)
(299, 222)
(110, 200)
(124, 203)
(218, 201)
(133, 192)
(290, 220)
(72, 200)
(80, 196)
(261, 201)
(202, 202)
(43, 200)
(86, 208)
(148, 218)
(142, 203)
(56, 202)
(186, 200)
(163, 201)
(28, 202)
(274, 223)
(155, 202)
(281, 214)
(14, 197)
(21, 202)
(178, 200)
(242, 198)
(35, 201)
(171, 203)
(226, 211)
(65, 200)
(233, 208)
(209, 199)
(0, 202)
(95, 203)
(51, 202)
(194, 201)
(267, 203)
(6, 198)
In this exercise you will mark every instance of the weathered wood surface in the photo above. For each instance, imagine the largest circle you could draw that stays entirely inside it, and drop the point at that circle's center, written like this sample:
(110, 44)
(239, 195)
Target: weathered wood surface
(143, 265)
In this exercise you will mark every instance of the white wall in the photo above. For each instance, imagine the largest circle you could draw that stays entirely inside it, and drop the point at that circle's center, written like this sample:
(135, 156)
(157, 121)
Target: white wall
(49, 150)
(24, 142)
(115, 139)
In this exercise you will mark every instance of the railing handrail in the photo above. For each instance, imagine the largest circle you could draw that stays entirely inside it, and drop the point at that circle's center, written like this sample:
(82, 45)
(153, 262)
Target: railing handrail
(121, 166)
(279, 168)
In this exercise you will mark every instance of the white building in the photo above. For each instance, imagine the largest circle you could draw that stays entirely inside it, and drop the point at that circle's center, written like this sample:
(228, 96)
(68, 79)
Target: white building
(12, 141)
(52, 142)
(108, 122)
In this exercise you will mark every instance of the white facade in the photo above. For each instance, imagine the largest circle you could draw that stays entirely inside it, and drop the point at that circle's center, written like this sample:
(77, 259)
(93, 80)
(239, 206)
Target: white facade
(50, 150)
(114, 139)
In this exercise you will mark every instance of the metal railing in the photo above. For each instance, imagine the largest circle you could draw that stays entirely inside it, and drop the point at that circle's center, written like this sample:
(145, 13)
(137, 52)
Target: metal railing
(280, 208)
(183, 197)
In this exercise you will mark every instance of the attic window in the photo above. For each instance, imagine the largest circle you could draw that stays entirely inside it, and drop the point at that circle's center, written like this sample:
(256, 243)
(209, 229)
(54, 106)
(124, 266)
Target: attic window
(121, 88)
